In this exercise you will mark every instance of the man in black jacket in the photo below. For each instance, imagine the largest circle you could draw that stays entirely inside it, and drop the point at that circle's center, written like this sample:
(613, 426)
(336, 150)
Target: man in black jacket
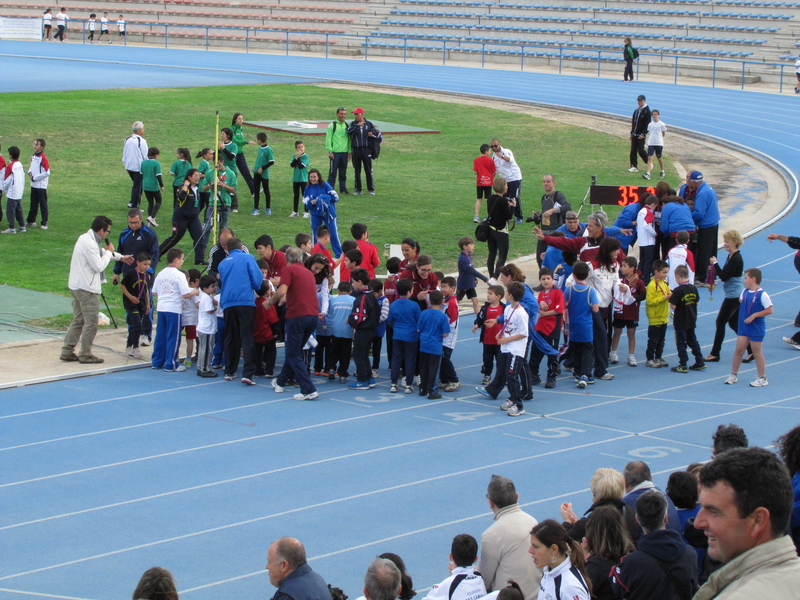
(663, 567)
(639, 123)
(361, 131)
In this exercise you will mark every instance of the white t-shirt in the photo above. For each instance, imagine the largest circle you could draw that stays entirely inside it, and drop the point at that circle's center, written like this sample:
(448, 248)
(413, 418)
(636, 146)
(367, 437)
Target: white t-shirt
(90, 25)
(121, 24)
(206, 322)
(797, 66)
(655, 131)
(61, 19)
(189, 310)
(170, 286)
(470, 586)
(104, 24)
(516, 322)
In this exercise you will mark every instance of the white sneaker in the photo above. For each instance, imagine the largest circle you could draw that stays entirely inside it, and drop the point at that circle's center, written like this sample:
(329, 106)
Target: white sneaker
(417, 380)
(476, 219)
(791, 342)
(632, 361)
(662, 362)
(492, 281)
(294, 214)
(302, 396)
(306, 215)
(760, 382)
(152, 221)
(408, 389)
(606, 377)
(633, 170)
(653, 364)
(515, 412)
(144, 340)
(136, 353)
(507, 405)
(732, 378)
(374, 373)
(276, 387)
(128, 351)
(9, 231)
(613, 358)
(178, 369)
(646, 176)
(393, 389)
(43, 227)
(486, 380)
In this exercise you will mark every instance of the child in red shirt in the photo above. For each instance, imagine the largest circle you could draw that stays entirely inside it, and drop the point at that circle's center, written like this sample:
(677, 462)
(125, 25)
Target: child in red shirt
(492, 310)
(485, 168)
(551, 315)
(626, 309)
(369, 253)
(264, 337)
(321, 247)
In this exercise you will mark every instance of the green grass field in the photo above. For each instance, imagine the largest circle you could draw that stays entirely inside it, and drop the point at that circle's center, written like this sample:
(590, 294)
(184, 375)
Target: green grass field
(425, 184)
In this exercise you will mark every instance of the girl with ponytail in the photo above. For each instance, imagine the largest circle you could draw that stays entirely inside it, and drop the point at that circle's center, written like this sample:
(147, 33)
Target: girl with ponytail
(562, 562)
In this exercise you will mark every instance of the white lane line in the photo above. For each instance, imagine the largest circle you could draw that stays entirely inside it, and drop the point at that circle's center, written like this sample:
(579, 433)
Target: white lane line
(437, 420)
(529, 438)
(40, 594)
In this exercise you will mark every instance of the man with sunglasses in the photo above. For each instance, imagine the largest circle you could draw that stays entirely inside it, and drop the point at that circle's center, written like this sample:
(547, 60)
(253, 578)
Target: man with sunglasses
(508, 169)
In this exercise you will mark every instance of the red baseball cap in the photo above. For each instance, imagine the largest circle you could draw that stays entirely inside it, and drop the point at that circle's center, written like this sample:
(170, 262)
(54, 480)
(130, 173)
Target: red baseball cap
(359, 110)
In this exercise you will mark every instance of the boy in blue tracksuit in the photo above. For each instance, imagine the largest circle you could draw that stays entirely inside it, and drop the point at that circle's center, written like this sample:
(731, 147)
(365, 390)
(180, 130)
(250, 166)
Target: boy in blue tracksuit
(403, 317)
(341, 333)
(433, 327)
(467, 273)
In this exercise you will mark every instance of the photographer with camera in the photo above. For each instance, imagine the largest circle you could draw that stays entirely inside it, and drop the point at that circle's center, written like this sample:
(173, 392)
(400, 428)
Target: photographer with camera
(554, 213)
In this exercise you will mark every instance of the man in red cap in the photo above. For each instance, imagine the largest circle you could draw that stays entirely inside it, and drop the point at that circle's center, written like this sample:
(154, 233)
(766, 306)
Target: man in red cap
(363, 135)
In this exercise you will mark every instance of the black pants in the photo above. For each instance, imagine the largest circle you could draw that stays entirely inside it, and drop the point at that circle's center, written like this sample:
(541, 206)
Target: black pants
(135, 316)
(363, 156)
(637, 148)
(241, 164)
(498, 251)
(377, 344)
(180, 224)
(514, 366)
(656, 335)
(582, 356)
(136, 189)
(154, 201)
(490, 352)
(362, 340)
(628, 74)
(259, 181)
(541, 247)
(60, 33)
(428, 372)
(499, 381)
(339, 165)
(298, 187)
(647, 256)
(552, 359)
(728, 315)
(404, 356)
(266, 354)
(706, 248)
(687, 337)
(239, 321)
(448, 371)
(514, 190)
(339, 354)
(38, 200)
(323, 348)
(601, 343)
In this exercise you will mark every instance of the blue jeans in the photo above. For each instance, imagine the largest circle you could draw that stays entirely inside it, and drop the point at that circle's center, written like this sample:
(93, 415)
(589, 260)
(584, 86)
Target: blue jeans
(297, 331)
(338, 165)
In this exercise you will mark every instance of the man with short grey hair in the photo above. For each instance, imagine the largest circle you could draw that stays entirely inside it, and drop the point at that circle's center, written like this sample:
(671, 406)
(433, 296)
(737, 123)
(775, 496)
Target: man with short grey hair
(133, 153)
(638, 480)
(504, 545)
(291, 574)
(382, 580)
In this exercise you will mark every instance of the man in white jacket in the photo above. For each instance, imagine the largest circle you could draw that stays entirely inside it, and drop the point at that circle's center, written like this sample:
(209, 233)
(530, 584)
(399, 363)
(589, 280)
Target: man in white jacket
(90, 257)
(133, 153)
(13, 178)
(504, 546)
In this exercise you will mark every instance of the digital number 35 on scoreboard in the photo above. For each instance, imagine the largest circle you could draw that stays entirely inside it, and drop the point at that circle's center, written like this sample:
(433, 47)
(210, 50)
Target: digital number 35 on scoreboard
(621, 195)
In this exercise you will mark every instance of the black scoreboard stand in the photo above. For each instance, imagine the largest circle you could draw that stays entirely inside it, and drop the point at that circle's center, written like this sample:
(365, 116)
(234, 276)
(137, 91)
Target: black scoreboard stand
(614, 195)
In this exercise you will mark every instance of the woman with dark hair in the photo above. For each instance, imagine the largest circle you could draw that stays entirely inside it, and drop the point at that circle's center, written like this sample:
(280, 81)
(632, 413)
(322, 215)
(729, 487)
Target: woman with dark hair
(156, 584)
(605, 279)
(228, 151)
(607, 541)
(187, 216)
(411, 251)
(500, 210)
(555, 554)
(318, 264)
(178, 170)
(406, 585)
(241, 161)
(662, 191)
(629, 54)
(320, 199)
(789, 450)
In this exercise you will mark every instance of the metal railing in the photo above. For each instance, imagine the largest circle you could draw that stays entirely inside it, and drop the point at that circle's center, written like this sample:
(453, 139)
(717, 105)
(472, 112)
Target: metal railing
(302, 41)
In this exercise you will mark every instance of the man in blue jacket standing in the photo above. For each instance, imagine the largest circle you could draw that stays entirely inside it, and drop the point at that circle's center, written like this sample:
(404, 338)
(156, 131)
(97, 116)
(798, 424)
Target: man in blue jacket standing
(240, 278)
(706, 220)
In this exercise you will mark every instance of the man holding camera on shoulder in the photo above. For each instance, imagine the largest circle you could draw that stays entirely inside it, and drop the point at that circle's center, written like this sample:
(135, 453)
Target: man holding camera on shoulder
(554, 213)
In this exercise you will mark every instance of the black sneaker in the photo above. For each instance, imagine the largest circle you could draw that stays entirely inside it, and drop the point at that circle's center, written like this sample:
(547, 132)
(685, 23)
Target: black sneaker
(697, 367)
(551, 383)
(680, 369)
(435, 396)
(535, 381)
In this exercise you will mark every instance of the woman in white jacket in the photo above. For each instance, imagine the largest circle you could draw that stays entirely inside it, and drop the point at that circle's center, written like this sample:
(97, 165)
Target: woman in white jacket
(605, 279)
(562, 563)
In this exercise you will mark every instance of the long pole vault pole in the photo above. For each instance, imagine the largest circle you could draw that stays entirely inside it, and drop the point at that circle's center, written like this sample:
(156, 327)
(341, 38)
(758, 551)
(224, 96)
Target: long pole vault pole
(218, 156)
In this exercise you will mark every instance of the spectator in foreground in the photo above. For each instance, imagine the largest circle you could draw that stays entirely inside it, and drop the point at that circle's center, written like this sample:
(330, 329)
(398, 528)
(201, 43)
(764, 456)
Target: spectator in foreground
(291, 574)
(727, 437)
(157, 583)
(382, 580)
(789, 450)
